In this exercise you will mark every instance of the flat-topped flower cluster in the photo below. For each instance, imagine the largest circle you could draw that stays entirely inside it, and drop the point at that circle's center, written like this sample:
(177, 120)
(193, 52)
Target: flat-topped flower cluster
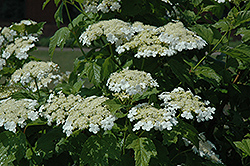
(17, 112)
(76, 112)
(36, 75)
(104, 6)
(16, 41)
(145, 40)
(188, 104)
(149, 117)
(131, 82)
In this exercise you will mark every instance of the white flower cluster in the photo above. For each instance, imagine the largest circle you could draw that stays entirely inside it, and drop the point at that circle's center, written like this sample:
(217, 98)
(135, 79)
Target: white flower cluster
(188, 104)
(164, 41)
(149, 117)
(75, 112)
(104, 6)
(222, 1)
(16, 43)
(36, 75)
(149, 41)
(16, 112)
(205, 148)
(131, 82)
(20, 47)
(116, 31)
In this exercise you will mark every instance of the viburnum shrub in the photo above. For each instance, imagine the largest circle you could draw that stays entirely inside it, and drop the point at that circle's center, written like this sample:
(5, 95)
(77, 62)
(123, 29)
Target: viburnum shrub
(163, 82)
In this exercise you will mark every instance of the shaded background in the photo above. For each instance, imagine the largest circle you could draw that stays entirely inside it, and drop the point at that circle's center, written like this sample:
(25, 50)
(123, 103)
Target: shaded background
(17, 10)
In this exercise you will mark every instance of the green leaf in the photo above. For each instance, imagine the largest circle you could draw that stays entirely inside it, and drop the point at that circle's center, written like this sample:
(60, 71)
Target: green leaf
(113, 105)
(37, 122)
(47, 142)
(145, 95)
(223, 25)
(108, 67)
(5, 158)
(242, 17)
(208, 74)
(93, 72)
(76, 21)
(181, 72)
(196, 2)
(45, 3)
(59, 39)
(97, 150)
(77, 86)
(240, 52)
(204, 32)
(57, 2)
(15, 142)
(243, 145)
(188, 131)
(144, 149)
(58, 15)
(170, 137)
(209, 8)
(245, 33)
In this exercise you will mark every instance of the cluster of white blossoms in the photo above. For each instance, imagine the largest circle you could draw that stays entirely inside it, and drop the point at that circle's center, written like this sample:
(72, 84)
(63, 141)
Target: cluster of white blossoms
(131, 82)
(205, 148)
(116, 31)
(36, 75)
(222, 1)
(75, 112)
(16, 43)
(16, 112)
(166, 40)
(188, 104)
(148, 41)
(104, 6)
(20, 47)
(149, 117)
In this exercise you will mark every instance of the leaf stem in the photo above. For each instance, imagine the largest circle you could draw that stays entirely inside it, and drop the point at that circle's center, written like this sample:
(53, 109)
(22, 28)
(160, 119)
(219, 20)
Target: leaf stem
(180, 154)
(210, 51)
(38, 91)
(68, 14)
(143, 62)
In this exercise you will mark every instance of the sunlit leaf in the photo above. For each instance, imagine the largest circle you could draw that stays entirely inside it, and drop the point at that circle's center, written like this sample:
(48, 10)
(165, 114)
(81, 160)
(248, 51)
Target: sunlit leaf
(144, 149)
(243, 145)
(59, 39)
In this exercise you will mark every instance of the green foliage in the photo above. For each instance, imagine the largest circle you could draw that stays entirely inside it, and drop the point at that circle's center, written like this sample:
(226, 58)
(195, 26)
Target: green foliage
(143, 147)
(98, 150)
(218, 73)
(59, 39)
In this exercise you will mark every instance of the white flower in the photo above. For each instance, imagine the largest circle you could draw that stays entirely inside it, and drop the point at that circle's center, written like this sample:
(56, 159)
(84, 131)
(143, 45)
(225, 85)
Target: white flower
(187, 103)
(108, 123)
(94, 128)
(166, 40)
(11, 126)
(116, 31)
(104, 5)
(13, 112)
(149, 117)
(33, 115)
(187, 115)
(76, 112)
(2, 63)
(131, 82)
(35, 74)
